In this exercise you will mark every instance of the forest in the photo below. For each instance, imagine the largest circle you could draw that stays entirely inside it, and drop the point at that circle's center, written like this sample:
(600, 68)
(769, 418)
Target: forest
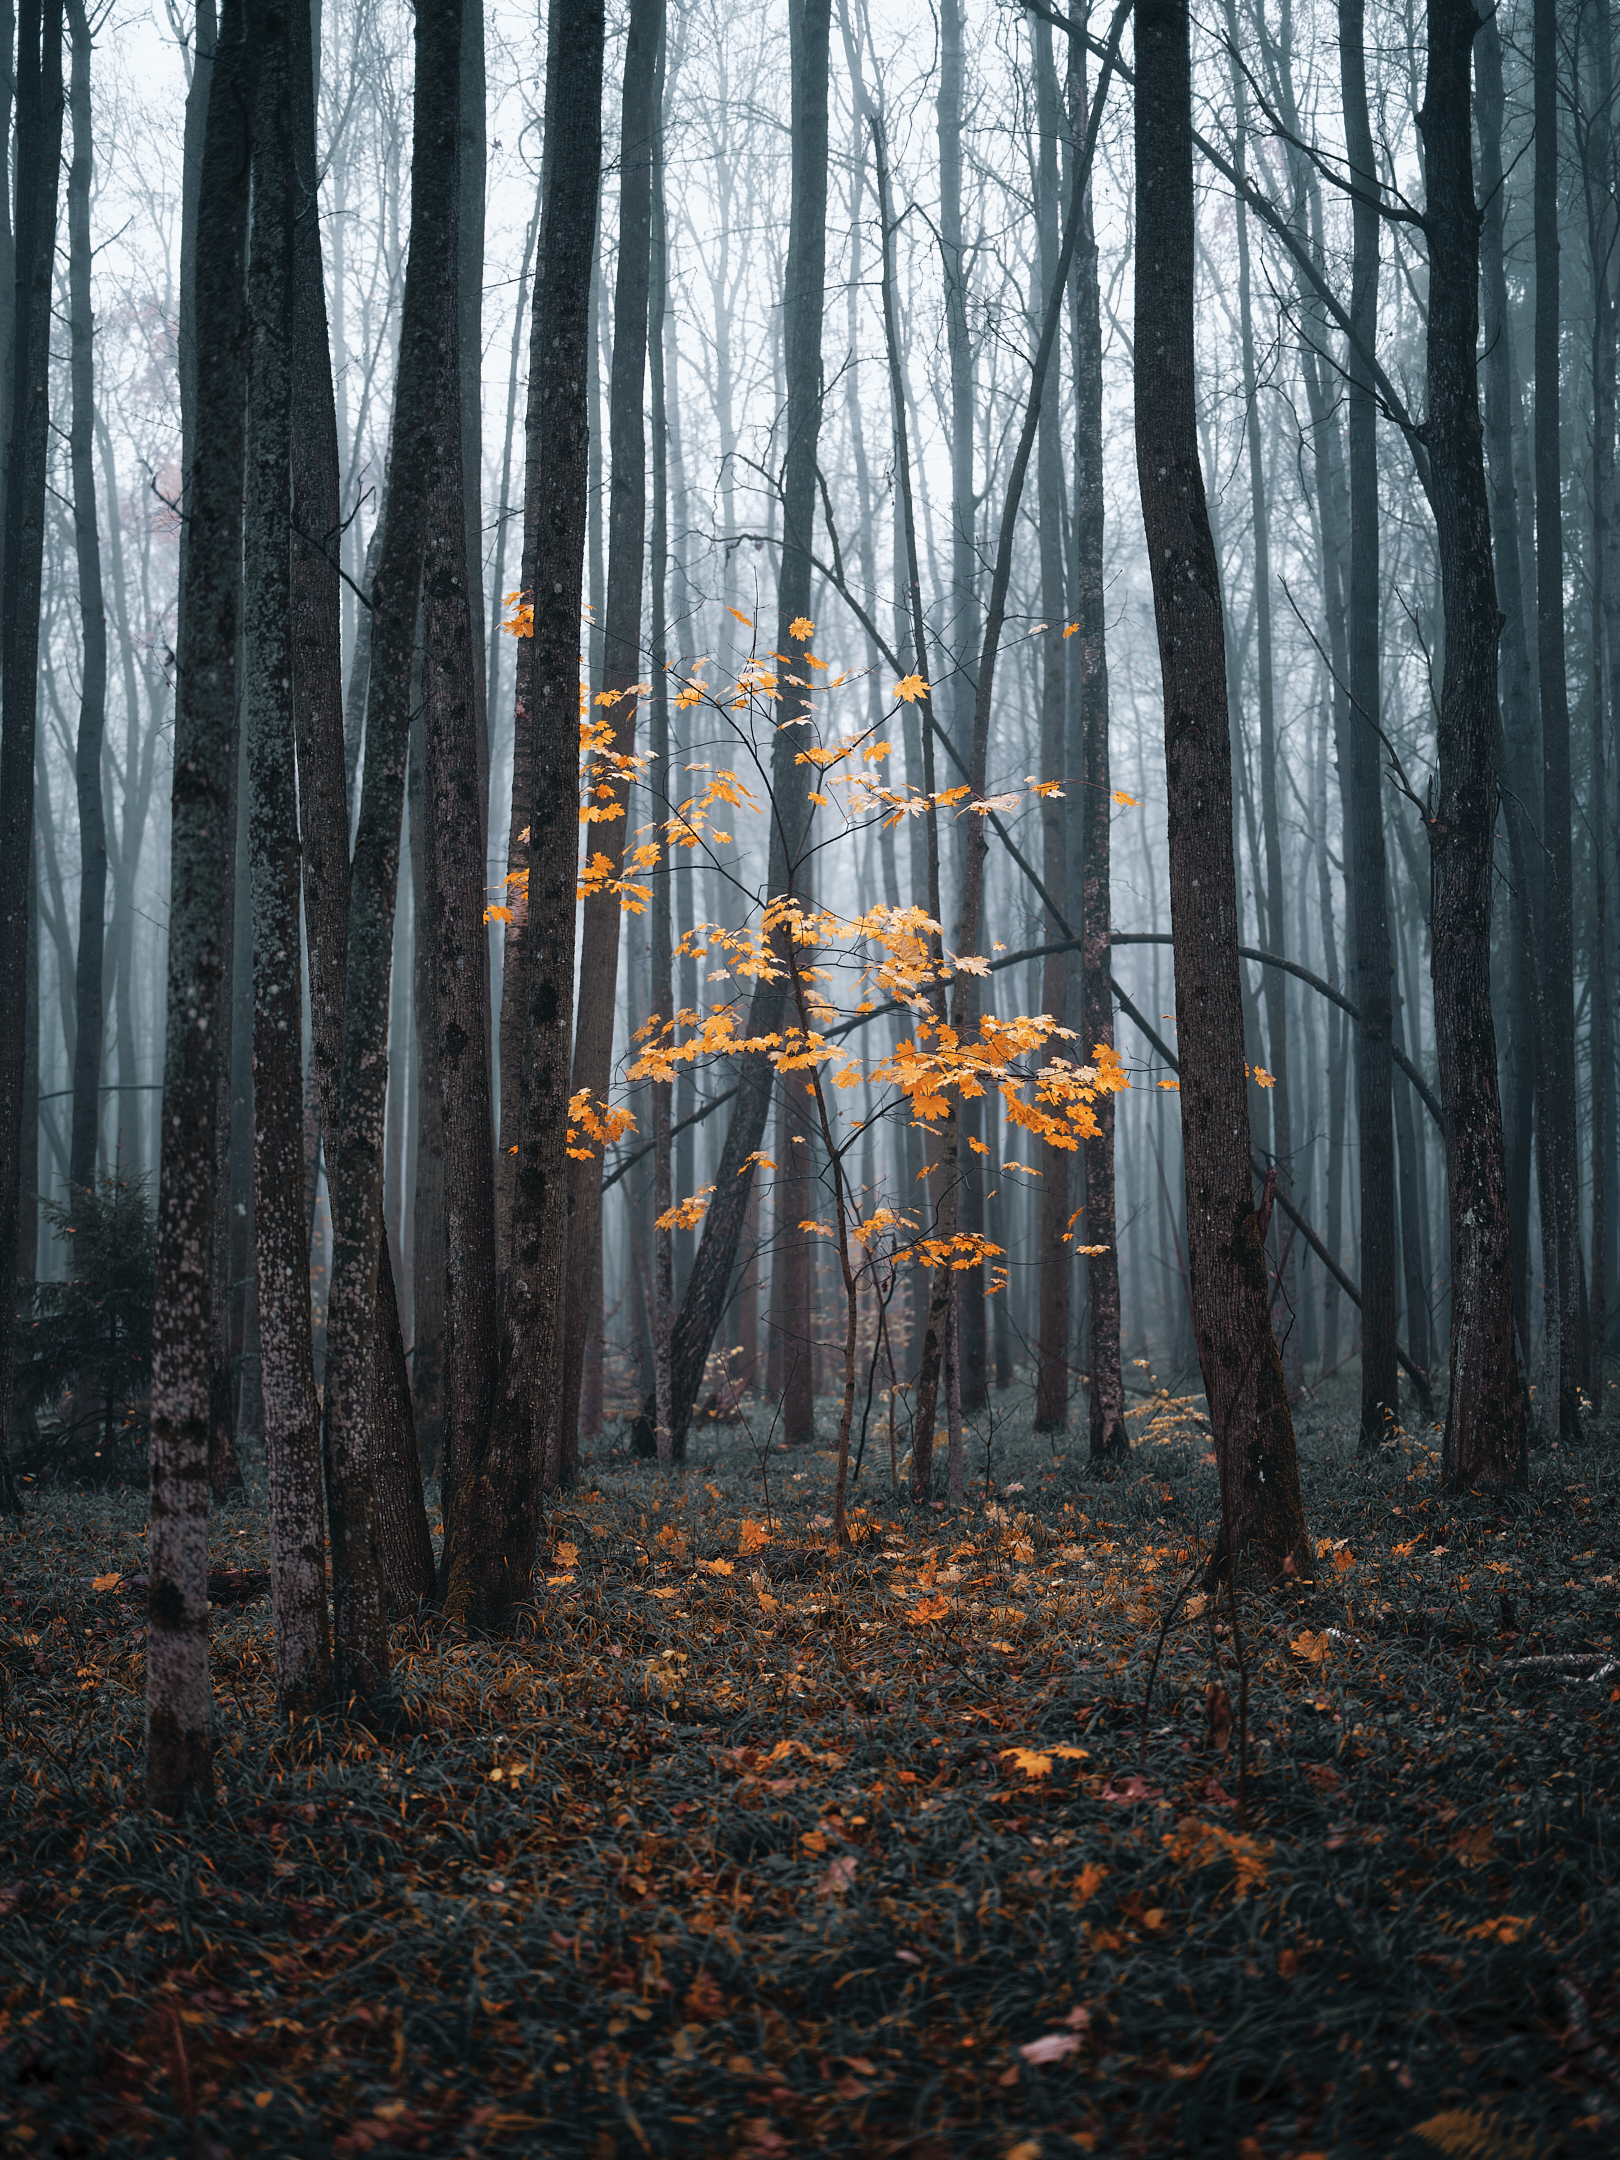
(915, 1452)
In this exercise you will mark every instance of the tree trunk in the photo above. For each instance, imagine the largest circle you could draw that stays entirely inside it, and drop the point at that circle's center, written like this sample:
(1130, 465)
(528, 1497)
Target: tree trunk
(458, 965)
(1270, 896)
(1485, 1437)
(487, 1565)
(1604, 246)
(1363, 805)
(1108, 1433)
(355, 1164)
(1264, 1515)
(292, 1432)
(427, 1214)
(1056, 1244)
(38, 153)
(1559, 1157)
(623, 667)
(178, 1761)
(1515, 664)
(93, 621)
(709, 1284)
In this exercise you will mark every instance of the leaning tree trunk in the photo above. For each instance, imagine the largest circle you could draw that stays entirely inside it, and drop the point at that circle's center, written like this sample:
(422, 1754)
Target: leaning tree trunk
(1363, 802)
(292, 1417)
(1486, 1437)
(355, 1162)
(1559, 1162)
(1108, 1432)
(93, 627)
(178, 1759)
(490, 1554)
(1243, 1379)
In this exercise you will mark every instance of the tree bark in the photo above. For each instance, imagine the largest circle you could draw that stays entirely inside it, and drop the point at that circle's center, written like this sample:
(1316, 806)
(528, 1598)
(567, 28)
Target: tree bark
(178, 1758)
(488, 1561)
(709, 1284)
(1264, 1515)
(458, 962)
(1052, 1344)
(1516, 681)
(355, 1165)
(1559, 1158)
(1363, 801)
(87, 1002)
(1109, 1435)
(427, 1213)
(1485, 1437)
(292, 1431)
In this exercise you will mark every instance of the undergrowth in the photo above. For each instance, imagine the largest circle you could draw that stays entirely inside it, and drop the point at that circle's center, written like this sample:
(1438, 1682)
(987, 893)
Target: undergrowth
(744, 1846)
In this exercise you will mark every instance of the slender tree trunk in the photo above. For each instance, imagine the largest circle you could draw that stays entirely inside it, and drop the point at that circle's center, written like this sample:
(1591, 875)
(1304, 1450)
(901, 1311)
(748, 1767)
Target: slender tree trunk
(623, 667)
(178, 1760)
(38, 151)
(93, 624)
(1515, 663)
(427, 1214)
(351, 1450)
(1248, 1401)
(1363, 803)
(1056, 1243)
(1605, 257)
(292, 1431)
(458, 965)
(1108, 1433)
(487, 1564)
(1270, 895)
(1559, 1159)
(1412, 1269)
(1486, 1419)
(709, 1284)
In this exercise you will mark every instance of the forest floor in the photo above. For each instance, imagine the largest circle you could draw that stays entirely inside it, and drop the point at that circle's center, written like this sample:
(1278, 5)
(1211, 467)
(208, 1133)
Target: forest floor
(743, 1846)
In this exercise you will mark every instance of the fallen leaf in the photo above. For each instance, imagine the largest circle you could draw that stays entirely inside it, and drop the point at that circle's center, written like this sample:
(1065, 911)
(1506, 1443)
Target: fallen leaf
(1050, 2047)
(839, 1877)
(1314, 1649)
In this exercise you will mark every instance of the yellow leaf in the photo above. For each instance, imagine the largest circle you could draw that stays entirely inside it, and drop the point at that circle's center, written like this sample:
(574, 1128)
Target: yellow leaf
(752, 1537)
(1030, 1760)
(567, 1555)
(1129, 801)
(741, 617)
(716, 1567)
(801, 626)
(934, 1608)
(1314, 1649)
(1171, 1087)
(1070, 628)
(106, 1582)
(910, 688)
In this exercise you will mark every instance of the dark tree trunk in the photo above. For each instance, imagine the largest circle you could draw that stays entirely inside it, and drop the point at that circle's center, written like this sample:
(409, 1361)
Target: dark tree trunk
(324, 782)
(1486, 1419)
(1056, 1247)
(292, 1431)
(38, 153)
(1264, 1515)
(709, 1284)
(1363, 802)
(355, 1163)
(457, 1010)
(87, 1001)
(1269, 897)
(1515, 667)
(178, 1763)
(487, 1566)
(1558, 1157)
(427, 1212)
(1108, 1432)
(623, 667)
(1604, 243)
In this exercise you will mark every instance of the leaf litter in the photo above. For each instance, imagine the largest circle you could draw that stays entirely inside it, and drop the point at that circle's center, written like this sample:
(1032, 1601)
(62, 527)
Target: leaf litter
(743, 1845)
